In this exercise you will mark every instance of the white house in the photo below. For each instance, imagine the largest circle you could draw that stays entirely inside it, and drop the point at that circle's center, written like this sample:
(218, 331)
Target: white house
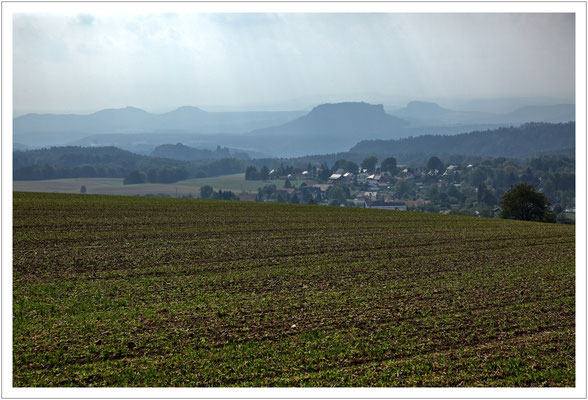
(335, 177)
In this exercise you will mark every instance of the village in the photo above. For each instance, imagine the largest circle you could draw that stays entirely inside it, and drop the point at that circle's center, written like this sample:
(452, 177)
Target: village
(464, 188)
(399, 188)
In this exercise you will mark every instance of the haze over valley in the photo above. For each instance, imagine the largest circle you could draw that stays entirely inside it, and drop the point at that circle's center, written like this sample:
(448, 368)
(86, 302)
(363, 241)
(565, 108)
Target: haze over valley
(327, 128)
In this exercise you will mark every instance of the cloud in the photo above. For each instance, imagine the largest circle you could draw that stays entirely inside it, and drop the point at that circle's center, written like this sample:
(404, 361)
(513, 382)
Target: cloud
(85, 19)
(161, 60)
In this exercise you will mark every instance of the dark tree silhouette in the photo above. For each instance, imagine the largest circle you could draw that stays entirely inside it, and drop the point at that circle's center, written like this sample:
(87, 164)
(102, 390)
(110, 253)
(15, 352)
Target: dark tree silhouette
(135, 177)
(369, 163)
(264, 173)
(348, 166)
(434, 163)
(206, 191)
(524, 203)
(251, 173)
(389, 164)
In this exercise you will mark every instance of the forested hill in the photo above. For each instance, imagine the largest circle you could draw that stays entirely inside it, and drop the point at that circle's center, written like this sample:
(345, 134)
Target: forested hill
(75, 156)
(527, 139)
(182, 152)
(95, 162)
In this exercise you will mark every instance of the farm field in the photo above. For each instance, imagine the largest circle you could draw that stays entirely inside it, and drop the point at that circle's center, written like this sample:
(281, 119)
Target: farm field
(114, 186)
(111, 186)
(132, 291)
(234, 182)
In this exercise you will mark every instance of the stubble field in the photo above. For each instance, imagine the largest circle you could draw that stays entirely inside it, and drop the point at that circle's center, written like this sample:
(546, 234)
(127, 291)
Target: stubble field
(126, 291)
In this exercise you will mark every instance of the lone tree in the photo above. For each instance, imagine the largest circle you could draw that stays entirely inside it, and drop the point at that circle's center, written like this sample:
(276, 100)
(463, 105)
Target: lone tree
(524, 203)
(389, 164)
(348, 166)
(434, 163)
(135, 177)
(369, 163)
(206, 191)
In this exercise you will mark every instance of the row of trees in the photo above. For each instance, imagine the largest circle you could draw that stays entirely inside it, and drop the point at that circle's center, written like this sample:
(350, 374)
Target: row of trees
(369, 163)
(207, 192)
(42, 172)
(251, 173)
(270, 192)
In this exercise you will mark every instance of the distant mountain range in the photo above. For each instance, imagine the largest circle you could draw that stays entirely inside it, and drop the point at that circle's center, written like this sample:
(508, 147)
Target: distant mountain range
(420, 113)
(327, 128)
(134, 120)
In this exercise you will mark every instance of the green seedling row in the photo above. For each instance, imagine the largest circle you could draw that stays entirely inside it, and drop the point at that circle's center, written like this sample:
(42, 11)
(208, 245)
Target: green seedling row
(156, 292)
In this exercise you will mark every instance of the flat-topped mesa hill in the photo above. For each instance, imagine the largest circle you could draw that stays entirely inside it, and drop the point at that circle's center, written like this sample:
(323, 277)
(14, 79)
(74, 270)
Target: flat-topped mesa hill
(135, 291)
(417, 108)
(351, 119)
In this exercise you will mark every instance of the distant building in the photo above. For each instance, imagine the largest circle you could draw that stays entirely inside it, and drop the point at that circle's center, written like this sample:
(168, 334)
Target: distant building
(348, 176)
(570, 213)
(335, 177)
(386, 205)
(415, 203)
(362, 177)
(308, 184)
(322, 186)
(368, 194)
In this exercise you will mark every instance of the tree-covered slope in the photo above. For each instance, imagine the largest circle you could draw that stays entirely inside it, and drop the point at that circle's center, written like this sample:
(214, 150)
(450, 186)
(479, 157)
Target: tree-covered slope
(530, 138)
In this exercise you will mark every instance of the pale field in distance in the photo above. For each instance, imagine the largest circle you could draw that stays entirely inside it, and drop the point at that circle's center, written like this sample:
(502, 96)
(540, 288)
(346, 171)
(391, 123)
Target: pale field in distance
(114, 186)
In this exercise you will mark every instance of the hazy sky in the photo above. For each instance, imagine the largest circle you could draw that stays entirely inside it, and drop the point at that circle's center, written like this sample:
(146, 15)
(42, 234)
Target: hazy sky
(157, 61)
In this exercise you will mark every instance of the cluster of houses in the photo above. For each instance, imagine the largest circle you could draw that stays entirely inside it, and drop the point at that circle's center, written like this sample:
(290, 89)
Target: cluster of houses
(364, 189)
(295, 176)
(447, 189)
(375, 189)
